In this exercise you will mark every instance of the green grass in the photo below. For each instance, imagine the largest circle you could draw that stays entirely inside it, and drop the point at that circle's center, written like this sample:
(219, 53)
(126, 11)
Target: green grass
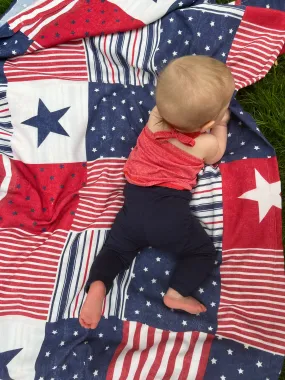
(265, 101)
(4, 4)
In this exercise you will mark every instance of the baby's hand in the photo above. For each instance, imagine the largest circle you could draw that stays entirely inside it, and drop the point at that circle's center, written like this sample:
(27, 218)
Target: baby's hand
(225, 119)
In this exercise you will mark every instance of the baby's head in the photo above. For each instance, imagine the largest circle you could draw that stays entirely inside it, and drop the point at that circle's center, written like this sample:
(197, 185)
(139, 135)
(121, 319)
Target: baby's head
(193, 92)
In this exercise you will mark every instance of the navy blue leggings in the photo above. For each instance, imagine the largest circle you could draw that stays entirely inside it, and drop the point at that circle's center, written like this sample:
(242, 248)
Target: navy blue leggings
(158, 217)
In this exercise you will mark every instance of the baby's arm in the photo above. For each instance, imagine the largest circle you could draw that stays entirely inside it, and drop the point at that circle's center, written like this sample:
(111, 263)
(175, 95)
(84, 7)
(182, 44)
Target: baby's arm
(218, 141)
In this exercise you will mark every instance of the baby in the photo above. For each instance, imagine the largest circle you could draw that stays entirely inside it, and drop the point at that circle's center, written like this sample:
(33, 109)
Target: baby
(192, 97)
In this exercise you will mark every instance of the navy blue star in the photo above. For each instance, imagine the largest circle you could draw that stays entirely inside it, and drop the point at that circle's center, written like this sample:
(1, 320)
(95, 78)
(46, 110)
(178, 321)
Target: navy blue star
(5, 358)
(47, 122)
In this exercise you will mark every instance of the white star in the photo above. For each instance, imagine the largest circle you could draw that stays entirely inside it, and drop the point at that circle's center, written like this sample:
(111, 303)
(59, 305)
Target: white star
(16, 42)
(223, 377)
(186, 42)
(179, 32)
(184, 323)
(41, 378)
(232, 153)
(93, 129)
(190, 18)
(148, 303)
(223, 54)
(169, 41)
(113, 128)
(75, 376)
(54, 367)
(64, 367)
(137, 311)
(259, 364)
(100, 335)
(123, 117)
(180, 4)
(145, 269)
(114, 108)
(104, 99)
(153, 280)
(174, 53)
(123, 101)
(114, 328)
(54, 332)
(231, 31)
(103, 137)
(266, 194)
(244, 158)
(47, 354)
(140, 102)
(112, 149)
(14, 52)
(94, 150)
(162, 294)
(214, 361)
(258, 130)
(220, 38)
(74, 353)
(214, 283)
(256, 147)
(198, 34)
(171, 19)
(212, 23)
(62, 343)
(123, 138)
(242, 143)
(230, 352)
(267, 6)
(220, 338)
(107, 348)
(151, 93)
(141, 120)
(95, 107)
(229, 134)
(164, 60)
(90, 358)
(246, 346)
(95, 373)
(167, 272)
(201, 290)
(207, 48)
(216, 262)
(213, 304)
(158, 315)
(114, 94)
(103, 118)
(240, 371)
(96, 90)
(210, 328)
(141, 289)
(5, 43)
(158, 259)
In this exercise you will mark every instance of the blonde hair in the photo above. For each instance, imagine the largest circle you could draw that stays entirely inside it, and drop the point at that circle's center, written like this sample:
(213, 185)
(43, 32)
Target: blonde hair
(193, 90)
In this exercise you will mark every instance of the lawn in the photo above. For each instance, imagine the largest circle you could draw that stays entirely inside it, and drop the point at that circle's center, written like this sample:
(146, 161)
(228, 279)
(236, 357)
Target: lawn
(265, 100)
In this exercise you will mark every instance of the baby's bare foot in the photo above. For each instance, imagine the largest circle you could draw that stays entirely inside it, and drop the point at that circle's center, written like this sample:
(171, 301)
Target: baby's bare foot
(175, 300)
(91, 311)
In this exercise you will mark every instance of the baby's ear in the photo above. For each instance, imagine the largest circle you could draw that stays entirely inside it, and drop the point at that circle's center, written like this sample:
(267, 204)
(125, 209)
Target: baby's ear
(207, 126)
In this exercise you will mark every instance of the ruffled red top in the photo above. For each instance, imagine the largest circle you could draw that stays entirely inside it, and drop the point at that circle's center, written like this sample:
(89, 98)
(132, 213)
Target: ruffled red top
(156, 162)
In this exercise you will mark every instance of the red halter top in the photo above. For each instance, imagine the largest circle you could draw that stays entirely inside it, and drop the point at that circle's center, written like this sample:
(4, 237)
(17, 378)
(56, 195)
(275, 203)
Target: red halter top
(156, 162)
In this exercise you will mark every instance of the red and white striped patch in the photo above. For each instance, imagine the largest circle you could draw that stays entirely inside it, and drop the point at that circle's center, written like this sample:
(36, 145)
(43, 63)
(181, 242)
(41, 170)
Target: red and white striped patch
(66, 61)
(31, 20)
(102, 196)
(252, 298)
(149, 353)
(256, 47)
(28, 267)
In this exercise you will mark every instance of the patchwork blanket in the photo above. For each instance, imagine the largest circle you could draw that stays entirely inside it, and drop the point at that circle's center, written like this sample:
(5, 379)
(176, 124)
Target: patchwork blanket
(77, 81)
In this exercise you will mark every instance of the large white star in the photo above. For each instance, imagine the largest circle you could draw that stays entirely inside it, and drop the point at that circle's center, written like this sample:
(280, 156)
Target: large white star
(266, 194)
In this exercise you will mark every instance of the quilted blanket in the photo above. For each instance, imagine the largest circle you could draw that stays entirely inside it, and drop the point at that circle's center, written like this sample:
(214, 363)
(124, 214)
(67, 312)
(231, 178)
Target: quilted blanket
(77, 83)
